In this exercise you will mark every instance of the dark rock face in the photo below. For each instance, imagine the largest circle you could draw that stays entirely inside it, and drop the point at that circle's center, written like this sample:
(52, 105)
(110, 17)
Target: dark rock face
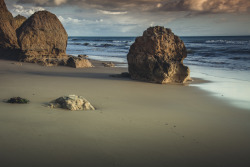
(8, 39)
(158, 56)
(42, 34)
(19, 21)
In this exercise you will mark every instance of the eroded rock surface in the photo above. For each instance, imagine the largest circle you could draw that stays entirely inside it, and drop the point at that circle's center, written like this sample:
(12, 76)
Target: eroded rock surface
(72, 102)
(19, 20)
(42, 35)
(8, 39)
(158, 56)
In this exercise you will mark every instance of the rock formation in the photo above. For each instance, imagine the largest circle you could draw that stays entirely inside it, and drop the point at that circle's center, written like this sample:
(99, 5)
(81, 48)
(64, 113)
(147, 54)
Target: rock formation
(83, 56)
(72, 102)
(39, 39)
(8, 39)
(45, 60)
(158, 56)
(77, 62)
(42, 36)
(108, 64)
(19, 20)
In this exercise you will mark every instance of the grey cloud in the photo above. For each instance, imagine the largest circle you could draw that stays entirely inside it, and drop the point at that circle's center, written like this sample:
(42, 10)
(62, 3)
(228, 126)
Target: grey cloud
(196, 6)
(207, 6)
(43, 2)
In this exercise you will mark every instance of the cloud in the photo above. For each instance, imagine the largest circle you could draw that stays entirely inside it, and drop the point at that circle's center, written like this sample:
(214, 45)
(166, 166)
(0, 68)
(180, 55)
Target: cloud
(73, 21)
(70, 20)
(44, 2)
(208, 6)
(59, 2)
(202, 6)
(25, 10)
(112, 13)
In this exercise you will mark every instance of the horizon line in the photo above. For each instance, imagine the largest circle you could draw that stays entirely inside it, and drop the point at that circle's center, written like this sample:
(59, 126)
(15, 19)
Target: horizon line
(177, 35)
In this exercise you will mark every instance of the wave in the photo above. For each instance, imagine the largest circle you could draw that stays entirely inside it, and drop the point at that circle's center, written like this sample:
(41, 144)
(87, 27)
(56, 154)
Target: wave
(94, 40)
(240, 58)
(239, 51)
(76, 39)
(77, 43)
(189, 51)
(86, 44)
(227, 42)
(104, 45)
(218, 52)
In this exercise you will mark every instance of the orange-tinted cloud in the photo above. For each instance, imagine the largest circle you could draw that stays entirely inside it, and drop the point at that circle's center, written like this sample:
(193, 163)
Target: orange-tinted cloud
(198, 6)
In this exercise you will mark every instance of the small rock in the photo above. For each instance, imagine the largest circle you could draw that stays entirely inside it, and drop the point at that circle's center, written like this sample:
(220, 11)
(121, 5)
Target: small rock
(72, 102)
(78, 62)
(83, 56)
(110, 64)
(125, 75)
(18, 100)
(122, 75)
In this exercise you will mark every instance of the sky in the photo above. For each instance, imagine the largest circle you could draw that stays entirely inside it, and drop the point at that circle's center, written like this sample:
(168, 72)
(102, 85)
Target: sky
(132, 17)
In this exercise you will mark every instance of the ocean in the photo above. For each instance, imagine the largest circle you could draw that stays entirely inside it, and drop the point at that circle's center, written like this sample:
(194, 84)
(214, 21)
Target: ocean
(223, 60)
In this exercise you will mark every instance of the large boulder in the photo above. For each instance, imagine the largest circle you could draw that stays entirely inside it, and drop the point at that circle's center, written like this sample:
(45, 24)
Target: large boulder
(72, 102)
(158, 56)
(19, 20)
(8, 38)
(42, 35)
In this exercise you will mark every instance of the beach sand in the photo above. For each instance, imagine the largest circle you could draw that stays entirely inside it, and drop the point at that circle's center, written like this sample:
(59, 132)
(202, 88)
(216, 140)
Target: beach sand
(135, 124)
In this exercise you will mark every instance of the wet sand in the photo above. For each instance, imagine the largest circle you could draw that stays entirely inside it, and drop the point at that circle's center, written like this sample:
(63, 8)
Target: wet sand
(135, 124)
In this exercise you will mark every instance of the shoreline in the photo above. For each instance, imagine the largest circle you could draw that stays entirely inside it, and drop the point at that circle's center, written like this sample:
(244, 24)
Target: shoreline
(135, 124)
(213, 84)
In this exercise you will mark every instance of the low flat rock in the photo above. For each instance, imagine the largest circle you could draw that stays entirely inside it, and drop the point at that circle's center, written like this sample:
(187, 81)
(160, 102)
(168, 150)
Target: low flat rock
(78, 62)
(72, 102)
(108, 64)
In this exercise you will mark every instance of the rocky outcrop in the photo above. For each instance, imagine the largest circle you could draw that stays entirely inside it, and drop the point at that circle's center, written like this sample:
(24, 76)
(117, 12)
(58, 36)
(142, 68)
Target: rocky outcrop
(77, 62)
(42, 35)
(46, 60)
(19, 20)
(72, 102)
(8, 39)
(158, 56)
(39, 39)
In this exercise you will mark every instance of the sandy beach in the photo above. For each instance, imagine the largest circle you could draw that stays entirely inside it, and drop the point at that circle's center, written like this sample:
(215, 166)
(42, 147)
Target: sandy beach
(135, 124)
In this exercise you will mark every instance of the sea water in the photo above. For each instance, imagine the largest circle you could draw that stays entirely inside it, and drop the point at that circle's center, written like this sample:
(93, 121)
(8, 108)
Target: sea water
(223, 60)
